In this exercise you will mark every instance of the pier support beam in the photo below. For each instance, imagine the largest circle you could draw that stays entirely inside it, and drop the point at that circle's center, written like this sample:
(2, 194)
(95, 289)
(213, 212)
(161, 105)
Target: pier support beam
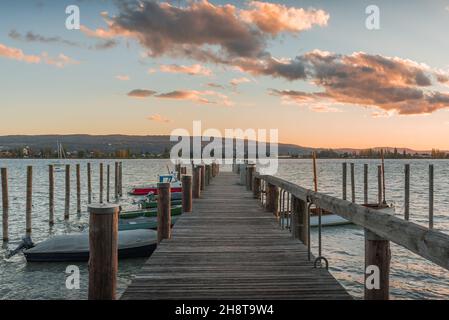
(345, 168)
(250, 170)
(51, 195)
(273, 199)
(186, 193)
(202, 176)
(196, 182)
(256, 188)
(5, 204)
(163, 211)
(67, 193)
(377, 267)
(299, 220)
(78, 189)
(103, 248)
(29, 200)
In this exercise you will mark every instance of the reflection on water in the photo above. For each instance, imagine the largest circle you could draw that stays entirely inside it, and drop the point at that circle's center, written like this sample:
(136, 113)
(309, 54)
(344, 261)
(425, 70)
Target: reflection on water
(411, 277)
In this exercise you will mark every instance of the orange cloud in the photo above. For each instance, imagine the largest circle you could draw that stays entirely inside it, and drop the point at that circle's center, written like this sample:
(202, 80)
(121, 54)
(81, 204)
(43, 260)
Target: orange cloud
(275, 18)
(192, 70)
(158, 118)
(17, 54)
(237, 81)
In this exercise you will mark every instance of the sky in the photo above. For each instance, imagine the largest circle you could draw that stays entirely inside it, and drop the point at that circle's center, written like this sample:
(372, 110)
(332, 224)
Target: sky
(311, 69)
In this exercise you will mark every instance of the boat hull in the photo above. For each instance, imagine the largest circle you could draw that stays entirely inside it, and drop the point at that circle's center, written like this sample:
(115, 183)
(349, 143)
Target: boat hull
(152, 212)
(141, 223)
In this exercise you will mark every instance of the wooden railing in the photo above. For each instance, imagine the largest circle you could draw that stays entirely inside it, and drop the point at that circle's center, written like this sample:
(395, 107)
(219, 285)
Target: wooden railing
(380, 228)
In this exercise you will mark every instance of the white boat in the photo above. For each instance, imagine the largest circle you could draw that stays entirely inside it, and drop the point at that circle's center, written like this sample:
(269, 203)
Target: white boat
(59, 166)
(331, 219)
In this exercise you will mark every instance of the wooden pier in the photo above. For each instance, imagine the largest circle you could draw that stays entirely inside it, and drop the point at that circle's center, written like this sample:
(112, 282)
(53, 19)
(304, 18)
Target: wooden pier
(230, 247)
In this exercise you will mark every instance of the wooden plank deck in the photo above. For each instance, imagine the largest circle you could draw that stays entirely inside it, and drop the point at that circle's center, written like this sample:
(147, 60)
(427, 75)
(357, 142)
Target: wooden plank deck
(230, 248)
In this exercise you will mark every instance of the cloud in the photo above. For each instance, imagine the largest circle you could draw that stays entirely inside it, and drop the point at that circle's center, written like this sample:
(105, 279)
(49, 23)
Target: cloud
(275, 18)
(158, 118)
(59, 61)
(17, 54)
(122, 77)
(192, 70)
(204, 31)
(237, 81)
(386, 83)
(141, 93)
(33, 37)
(215, 85)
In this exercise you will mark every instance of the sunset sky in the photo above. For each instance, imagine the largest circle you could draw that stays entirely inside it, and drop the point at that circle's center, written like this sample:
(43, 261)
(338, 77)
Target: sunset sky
(309, 68)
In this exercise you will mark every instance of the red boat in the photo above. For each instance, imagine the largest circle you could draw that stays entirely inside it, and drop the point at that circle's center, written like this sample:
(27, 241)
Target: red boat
(176, 186)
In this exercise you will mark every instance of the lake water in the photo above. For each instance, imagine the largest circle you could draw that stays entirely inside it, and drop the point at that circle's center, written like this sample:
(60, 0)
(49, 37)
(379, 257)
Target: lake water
(411, 276)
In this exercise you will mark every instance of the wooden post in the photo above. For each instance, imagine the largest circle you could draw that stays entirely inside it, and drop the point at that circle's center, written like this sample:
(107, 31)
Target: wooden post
(163, 211)
(103, 246)
(78, 189)
(186, 193)
(379, 184)
(178, 171)
(116, 182)
(89, 184)
(67, 192)
(51, 195)
(101, 183)
(196, 182)
(352, 183)
(300, 222)
(108, 183)
(377, 254)
(203, 177)
(250, 170)
(407, 193)
(315, 176)
(365, 183)
(207, 179)
(431, 196)
(183, 170)
(273, 199)
(29, 200)
(5, 204)
(344, 180)
(256, 188)
(120, 170)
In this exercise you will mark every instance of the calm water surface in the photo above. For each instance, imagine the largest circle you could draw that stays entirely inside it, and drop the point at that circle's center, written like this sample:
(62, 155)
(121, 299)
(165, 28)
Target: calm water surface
(411, 276)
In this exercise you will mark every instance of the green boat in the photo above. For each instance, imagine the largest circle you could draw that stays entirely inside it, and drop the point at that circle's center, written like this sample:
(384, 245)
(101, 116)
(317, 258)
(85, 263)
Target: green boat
(150, 201)
(152, 212)
(141, 223)
(153, 204)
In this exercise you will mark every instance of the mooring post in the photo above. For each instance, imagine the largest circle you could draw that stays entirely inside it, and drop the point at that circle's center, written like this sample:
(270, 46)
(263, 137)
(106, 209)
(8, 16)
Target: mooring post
(89, 184)
(78, 189)
(352, 183)
(207, 179)
(379, 184)
(29, 200)
(163, 211)
(108, 182)
(67, 193)
(377, 267)
(365, 183)
(242, 173)
(51, 195)
(186, 193)
(273, 199)
(196, 182)
(5, 204)
(431, 196)
(250, 169)
(344, 180)
(407, 193)
(203, 177)
(183, 170)
(300, 221)
(178, 171)
(116, 182)
(256, 188)
(101, 183)
(120, 169)
(103, 247)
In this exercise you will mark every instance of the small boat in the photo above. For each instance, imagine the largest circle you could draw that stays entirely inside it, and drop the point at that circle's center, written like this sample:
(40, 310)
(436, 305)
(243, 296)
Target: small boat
(141, 223)
(331, 219)
(150, 201)
(175, 186)
(59, 166)
(152, 212)
(75, 247)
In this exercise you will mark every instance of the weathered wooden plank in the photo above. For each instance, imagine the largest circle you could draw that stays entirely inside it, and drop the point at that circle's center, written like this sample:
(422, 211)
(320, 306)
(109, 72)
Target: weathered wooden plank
(229, 248)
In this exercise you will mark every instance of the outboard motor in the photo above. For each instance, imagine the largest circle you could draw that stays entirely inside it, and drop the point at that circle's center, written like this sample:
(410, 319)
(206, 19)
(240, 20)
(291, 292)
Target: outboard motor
(26, 243)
